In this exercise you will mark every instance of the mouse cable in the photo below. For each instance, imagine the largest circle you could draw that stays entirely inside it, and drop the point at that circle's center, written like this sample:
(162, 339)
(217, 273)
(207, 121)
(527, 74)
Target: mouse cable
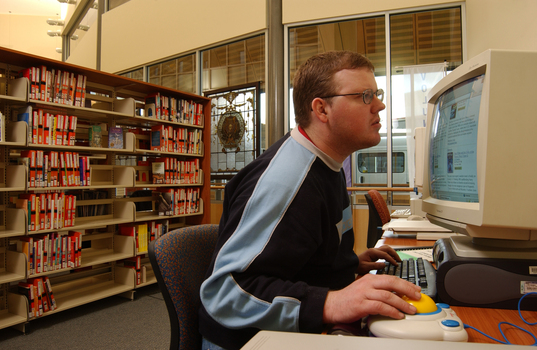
(508, 323)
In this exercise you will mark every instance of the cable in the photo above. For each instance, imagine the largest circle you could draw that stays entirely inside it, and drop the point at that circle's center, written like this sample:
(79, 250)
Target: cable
(520, 314)
(508, 323)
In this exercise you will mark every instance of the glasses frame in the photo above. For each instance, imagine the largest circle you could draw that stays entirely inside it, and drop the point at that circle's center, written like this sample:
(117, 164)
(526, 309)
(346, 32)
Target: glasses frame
(376, 93)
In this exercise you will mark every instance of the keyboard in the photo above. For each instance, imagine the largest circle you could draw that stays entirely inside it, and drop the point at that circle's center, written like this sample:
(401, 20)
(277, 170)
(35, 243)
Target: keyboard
(418, 271)
(401, 213)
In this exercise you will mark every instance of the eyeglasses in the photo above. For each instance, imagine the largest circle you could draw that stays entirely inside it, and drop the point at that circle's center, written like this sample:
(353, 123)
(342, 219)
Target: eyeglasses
(367, 95)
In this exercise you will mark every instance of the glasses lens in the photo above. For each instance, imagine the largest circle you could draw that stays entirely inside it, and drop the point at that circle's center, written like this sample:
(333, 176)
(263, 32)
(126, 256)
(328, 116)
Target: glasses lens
(368, 96)
(380, 94)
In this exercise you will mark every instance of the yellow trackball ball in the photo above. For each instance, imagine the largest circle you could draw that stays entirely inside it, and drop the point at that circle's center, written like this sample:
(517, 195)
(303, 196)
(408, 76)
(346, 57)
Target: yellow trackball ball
(424, 306)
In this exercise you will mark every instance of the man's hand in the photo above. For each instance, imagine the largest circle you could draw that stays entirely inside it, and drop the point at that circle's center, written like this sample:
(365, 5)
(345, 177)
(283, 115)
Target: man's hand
(369, 257)
(370, 295)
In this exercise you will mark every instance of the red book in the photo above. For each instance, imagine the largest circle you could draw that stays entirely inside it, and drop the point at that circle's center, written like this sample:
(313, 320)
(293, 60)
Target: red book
(54, 168)
(83, 102)
(27, 289)
(170, 140)
(72, 90)
(43, 83)
(50, 295)
(68, 211)
(78, 92)
(77, 237)
(72, 130)
(38, 303)
(59, 129)
(69, 168)
(65, 131)
(42, 210)
(49, 221)
(46, 129)
(58, 87)
(50, 85)
(64, 251)
(65, 87)
(39, 168)
(63, 170)
(127, 230)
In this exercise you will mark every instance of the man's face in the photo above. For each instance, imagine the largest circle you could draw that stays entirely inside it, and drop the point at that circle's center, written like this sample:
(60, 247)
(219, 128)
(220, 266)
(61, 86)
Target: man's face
(353, 124)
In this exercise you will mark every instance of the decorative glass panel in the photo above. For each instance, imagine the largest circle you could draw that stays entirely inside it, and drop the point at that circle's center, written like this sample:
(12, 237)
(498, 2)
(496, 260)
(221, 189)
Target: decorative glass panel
(234, 129)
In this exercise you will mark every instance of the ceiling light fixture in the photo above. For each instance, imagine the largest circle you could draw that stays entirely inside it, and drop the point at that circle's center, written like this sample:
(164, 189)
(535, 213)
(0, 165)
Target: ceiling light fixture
(54, 33)
(55, 22)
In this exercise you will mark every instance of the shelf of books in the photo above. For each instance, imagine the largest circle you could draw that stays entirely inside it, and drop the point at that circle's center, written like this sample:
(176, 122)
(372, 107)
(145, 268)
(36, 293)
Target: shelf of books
(93, 167)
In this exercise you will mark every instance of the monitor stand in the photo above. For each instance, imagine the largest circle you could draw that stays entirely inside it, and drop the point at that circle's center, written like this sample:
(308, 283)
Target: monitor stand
(470, 274)
(464, 246)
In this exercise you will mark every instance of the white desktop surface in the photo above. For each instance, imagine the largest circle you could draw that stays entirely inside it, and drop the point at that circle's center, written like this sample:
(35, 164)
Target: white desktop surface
(268, 340)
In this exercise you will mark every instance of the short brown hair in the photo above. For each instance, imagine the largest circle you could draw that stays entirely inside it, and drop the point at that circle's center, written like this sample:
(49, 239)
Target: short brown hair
(314, 79)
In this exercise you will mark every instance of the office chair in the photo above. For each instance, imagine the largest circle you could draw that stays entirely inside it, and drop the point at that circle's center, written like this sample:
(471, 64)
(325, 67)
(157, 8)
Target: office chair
(379, 214)
(180, 260)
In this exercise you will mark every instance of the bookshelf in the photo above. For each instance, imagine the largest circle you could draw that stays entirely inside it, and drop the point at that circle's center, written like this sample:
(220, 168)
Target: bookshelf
(108, 187)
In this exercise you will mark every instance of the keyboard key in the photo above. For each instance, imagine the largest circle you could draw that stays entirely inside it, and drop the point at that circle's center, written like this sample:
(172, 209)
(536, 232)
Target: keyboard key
(418, 271)
(404, 269)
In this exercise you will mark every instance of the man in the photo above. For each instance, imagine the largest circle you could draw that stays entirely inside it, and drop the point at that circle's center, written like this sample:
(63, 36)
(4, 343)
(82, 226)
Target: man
(284, 259)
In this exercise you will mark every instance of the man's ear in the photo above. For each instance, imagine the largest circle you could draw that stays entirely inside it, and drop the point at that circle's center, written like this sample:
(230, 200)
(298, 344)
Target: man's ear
(320, 109)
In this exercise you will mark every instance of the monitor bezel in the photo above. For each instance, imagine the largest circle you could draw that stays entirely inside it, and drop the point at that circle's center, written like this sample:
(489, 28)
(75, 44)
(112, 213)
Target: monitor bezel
(467, 213)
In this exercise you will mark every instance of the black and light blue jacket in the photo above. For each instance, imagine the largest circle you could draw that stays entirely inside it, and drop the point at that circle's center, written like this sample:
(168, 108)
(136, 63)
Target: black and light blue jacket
(285, 239)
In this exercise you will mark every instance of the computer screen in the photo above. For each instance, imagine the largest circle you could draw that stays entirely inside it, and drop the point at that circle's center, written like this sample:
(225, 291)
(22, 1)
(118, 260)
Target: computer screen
(453, 142)
(481, 148)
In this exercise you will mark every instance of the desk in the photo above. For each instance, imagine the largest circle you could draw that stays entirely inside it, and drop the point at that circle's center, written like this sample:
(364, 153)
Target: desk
(269, 340)
(486, 320)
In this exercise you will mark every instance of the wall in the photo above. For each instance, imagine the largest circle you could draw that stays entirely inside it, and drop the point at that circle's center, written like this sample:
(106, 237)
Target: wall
(29, 34)
(499, 24)
(84, 54)
(143, 31)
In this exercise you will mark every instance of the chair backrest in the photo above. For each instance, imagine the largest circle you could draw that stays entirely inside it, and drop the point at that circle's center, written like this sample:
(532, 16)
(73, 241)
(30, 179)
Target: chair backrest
(380, 205)
(379, 214)
(180, 260)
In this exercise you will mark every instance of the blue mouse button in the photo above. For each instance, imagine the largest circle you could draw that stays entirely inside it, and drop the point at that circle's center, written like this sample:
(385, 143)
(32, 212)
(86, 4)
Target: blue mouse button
(450, 323)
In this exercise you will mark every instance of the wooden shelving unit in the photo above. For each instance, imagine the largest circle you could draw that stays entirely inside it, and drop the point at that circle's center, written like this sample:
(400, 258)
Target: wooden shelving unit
(110, 101)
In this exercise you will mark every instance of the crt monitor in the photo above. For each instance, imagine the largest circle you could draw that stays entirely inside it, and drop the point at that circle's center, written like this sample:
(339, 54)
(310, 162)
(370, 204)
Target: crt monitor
(480, 168)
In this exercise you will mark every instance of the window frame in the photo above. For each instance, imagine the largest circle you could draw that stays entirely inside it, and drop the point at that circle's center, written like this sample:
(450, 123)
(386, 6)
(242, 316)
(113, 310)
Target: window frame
(388, 91)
